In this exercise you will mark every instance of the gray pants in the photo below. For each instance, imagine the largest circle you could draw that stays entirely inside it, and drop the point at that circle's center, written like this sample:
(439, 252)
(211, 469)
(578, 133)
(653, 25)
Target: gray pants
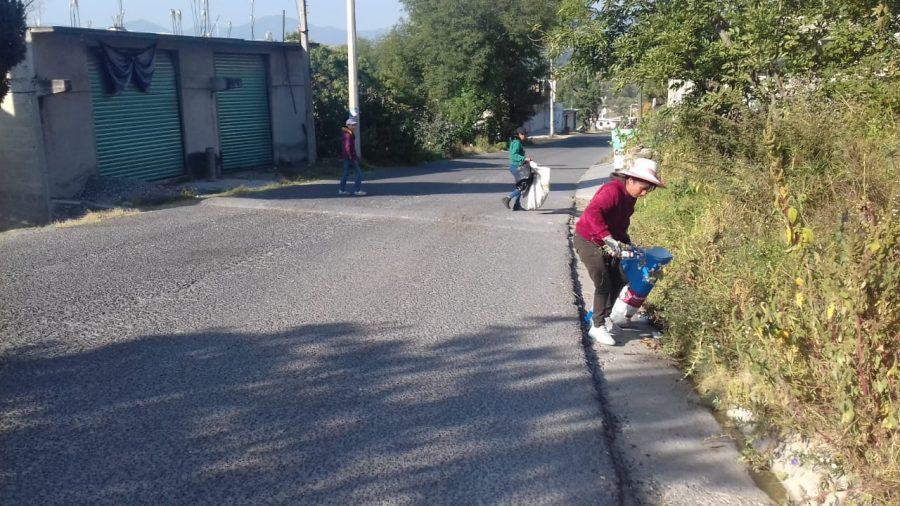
(604, 272)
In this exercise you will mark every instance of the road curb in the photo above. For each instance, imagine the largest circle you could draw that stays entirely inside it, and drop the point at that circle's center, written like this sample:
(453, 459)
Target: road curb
(590, 182)
(672, 448)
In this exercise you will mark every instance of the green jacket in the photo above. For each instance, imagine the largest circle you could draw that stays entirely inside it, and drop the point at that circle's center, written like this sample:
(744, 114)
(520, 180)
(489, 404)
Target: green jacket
(516, 152)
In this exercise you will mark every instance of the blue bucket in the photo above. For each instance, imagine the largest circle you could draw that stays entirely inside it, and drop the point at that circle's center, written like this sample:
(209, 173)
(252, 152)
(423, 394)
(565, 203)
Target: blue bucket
(640, 269)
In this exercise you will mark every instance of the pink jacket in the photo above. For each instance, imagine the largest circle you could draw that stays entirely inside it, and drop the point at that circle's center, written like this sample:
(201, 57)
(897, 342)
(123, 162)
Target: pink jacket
(348, 144)
(609, 213)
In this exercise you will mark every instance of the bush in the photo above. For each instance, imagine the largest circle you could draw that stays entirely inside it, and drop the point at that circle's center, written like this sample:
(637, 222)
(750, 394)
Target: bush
(784, 224)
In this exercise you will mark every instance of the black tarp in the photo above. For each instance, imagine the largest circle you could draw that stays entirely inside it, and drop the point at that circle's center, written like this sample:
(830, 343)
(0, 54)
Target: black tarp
(128, 65)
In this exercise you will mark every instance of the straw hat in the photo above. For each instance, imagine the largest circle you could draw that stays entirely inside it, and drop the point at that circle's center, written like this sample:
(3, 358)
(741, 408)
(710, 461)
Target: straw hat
(643, 169)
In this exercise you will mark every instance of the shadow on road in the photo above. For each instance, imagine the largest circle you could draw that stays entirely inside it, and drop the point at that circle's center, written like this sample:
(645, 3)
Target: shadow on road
(318, 413)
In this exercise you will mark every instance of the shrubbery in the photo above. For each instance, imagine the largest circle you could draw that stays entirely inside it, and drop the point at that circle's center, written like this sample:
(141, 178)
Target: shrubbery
(785, 295)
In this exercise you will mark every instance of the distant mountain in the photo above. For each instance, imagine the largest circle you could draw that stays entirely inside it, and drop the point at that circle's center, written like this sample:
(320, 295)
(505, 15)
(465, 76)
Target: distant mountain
(142, 25)
(326, 35)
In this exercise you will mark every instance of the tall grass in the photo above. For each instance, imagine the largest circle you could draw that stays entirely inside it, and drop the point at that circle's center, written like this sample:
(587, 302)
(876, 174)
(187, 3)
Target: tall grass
(785, 293)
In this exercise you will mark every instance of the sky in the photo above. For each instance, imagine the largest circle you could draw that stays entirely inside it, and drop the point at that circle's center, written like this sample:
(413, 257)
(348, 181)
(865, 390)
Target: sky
(370, 14)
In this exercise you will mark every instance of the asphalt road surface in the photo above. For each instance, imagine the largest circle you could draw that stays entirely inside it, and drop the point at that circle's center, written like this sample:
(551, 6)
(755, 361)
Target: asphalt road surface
(419, 345)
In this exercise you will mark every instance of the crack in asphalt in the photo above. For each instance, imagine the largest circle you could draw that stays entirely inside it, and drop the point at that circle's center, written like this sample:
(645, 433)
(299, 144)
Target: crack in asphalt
(628, 492)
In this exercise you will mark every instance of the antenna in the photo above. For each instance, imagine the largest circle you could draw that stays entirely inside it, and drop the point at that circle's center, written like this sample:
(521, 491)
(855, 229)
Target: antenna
(119, 19)
(203, 25)
(177, 26)
(74, 14)
(228, 31)
(36, 12)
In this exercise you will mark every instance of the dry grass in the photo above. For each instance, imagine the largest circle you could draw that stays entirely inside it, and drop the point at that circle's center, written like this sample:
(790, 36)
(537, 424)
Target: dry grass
(245, 190)
(95, 217)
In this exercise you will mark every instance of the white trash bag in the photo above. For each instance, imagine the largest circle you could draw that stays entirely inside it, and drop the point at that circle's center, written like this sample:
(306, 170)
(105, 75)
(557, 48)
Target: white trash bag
(534, 196)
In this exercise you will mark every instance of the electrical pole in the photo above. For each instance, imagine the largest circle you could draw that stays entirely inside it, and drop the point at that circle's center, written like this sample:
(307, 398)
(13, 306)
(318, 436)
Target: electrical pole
(351, 68)
(304, 26)
(552, 99)
(310, 119)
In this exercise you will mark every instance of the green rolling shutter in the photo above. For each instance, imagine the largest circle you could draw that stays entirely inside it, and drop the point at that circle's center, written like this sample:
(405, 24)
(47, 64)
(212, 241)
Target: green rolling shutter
(245, 129)
(138, 134)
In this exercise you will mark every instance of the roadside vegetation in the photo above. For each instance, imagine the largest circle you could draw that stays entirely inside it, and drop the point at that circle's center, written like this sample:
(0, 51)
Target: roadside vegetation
(92, 217)
(451, 78)
(782, 208)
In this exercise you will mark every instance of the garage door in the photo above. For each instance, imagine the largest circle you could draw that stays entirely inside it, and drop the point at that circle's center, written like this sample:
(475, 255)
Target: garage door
(245, 129)
(138, 134)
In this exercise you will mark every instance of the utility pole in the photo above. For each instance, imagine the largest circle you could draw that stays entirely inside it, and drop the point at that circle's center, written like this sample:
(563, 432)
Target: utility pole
(304, 26)
(552, 99)
(351, 68)
(310, 120)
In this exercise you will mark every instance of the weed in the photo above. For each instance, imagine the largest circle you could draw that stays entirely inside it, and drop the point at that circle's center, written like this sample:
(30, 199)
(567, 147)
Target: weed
(92, 217)
(785, 292)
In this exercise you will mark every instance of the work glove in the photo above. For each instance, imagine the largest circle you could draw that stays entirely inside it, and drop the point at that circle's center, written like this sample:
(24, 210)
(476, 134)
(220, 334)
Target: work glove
(613, 247)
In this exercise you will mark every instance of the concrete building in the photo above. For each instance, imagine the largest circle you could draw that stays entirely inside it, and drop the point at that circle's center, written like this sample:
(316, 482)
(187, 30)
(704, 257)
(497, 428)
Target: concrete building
(677, 90)
(249, 101)
(539, 124)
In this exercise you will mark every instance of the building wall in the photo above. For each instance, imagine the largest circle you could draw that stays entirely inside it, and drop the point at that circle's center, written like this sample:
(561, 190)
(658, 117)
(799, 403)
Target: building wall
(67, 118)
(288, 73)
(540, 123)
(198, 104)
(24, 196)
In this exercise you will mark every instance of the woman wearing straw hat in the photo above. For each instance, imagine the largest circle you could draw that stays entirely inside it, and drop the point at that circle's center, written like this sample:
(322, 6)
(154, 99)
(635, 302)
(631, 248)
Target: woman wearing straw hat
(601, 235)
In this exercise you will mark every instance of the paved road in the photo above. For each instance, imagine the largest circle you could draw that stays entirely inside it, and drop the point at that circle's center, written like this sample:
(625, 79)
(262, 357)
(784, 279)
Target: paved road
(417, 345)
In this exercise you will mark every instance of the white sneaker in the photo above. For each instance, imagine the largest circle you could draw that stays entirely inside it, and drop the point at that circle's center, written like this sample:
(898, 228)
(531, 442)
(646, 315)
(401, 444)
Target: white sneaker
(601, 335)
(360, 193)
(343, 192)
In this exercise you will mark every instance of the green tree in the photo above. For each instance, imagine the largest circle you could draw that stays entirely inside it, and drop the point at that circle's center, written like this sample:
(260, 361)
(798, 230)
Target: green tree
(477, 56)
(12, 39)
(388, 127)
(745, 45)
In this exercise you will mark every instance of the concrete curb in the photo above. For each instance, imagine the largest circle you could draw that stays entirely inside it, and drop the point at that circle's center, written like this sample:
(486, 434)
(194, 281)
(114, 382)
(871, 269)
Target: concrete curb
(674, 450)
(590, 182)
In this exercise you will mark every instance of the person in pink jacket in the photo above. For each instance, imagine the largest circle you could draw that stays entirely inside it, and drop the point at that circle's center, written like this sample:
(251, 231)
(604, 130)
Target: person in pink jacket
(601, 235)
(350, 157)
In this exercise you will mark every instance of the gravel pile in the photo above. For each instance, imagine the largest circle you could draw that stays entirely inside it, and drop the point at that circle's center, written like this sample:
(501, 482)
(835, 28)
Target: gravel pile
(117, 191)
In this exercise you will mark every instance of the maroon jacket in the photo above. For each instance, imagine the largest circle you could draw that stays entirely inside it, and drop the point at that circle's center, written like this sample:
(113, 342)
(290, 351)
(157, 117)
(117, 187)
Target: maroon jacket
(609, 213)
(348, 144)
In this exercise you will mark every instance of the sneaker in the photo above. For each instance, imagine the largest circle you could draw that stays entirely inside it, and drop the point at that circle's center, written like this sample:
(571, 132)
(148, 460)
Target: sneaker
(506, 200)
(601, 335)
(360, 193)
(343, 192)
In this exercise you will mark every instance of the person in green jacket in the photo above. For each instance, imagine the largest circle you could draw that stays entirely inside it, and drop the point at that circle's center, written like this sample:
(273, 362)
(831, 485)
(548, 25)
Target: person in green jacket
(516, 160)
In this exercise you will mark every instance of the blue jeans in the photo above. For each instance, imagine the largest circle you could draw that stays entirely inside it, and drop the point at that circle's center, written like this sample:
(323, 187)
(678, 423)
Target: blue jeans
(513, 169)
(347, 163)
